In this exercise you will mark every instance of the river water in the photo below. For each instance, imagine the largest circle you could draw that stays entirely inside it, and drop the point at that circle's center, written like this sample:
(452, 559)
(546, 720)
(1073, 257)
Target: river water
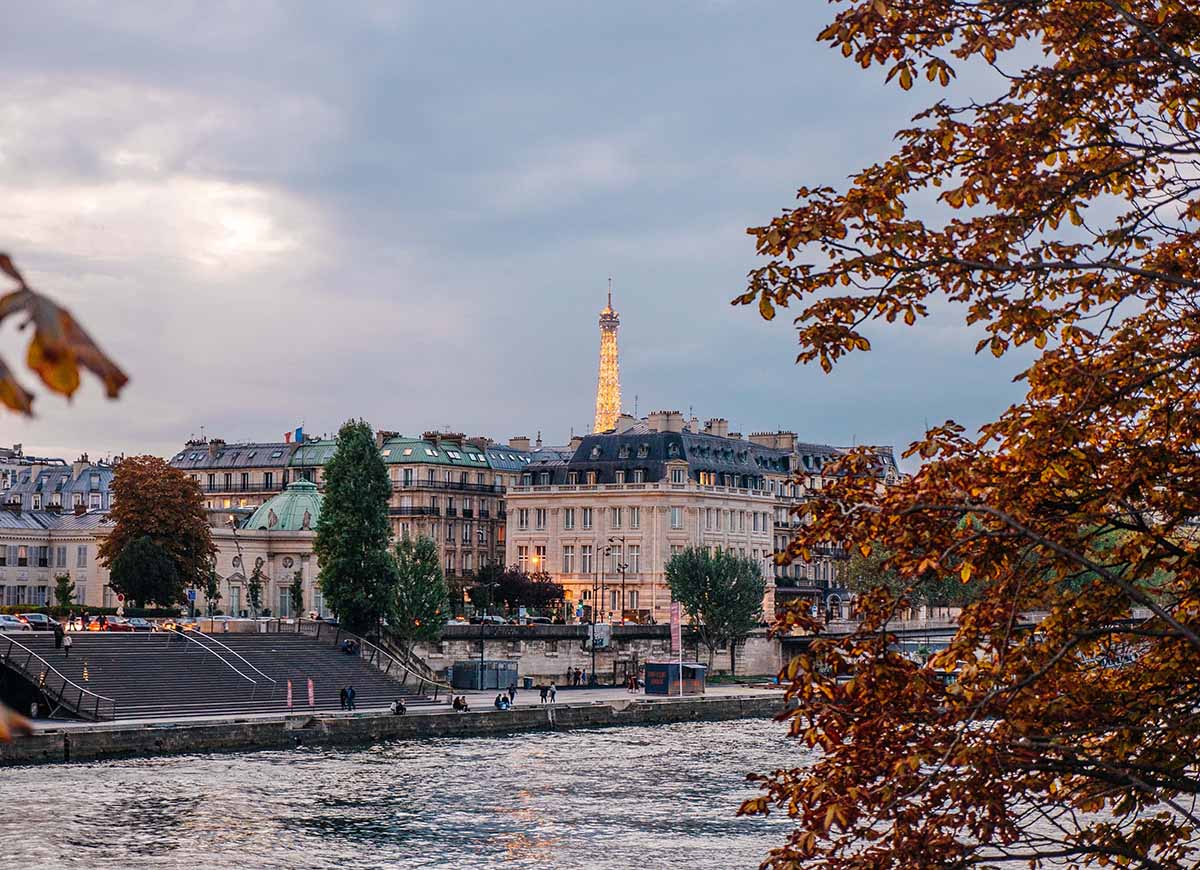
(644, 797)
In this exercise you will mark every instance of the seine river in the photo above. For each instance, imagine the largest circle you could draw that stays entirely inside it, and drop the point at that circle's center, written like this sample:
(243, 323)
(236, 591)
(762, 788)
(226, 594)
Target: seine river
(644, 797)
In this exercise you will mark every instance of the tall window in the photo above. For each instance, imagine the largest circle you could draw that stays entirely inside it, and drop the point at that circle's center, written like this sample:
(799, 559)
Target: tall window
(81, 556)
(539, 557)
(677, 518)
(61, 557)
(568, 518)
(539, 518)
(523, 557)
(568, 559)
(677, 475)
(467, 563)
(591, 478)
(587, 518)
(22, 556)
(614, 519)
(245, 480)
(449, 530)
(408, 477)
(585, 559)
(268, 479)
(449, 563)
(228, 481)
(522, 518)
(633, 599)
(466, 536)
(614, 599)
(635, 559)
(619, 476)
(572, 478)
(635, 518)
(616, 557)
(708, 518)
(212, 484)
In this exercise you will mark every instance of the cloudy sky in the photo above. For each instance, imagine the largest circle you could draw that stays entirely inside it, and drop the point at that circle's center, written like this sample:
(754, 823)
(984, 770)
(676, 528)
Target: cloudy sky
(271, 213)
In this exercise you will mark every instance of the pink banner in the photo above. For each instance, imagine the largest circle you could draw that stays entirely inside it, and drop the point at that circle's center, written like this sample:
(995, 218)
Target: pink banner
(676, 641)
(311, 697)
(289, 694)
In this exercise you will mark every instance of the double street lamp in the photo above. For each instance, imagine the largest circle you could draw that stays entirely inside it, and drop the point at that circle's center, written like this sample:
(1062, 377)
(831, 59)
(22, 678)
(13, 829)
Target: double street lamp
(483, 626)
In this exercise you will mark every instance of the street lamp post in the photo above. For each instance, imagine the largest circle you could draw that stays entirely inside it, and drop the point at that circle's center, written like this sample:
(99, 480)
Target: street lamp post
(622, 567)
(482, 626)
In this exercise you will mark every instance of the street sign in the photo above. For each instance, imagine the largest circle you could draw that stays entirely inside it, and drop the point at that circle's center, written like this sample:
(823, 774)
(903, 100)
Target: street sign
(192, 595)
(676, 641)
(120, 597)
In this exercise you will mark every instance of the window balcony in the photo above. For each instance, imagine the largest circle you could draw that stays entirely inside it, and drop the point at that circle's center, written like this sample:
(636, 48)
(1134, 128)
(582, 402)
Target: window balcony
(411, 511)
(457, 486)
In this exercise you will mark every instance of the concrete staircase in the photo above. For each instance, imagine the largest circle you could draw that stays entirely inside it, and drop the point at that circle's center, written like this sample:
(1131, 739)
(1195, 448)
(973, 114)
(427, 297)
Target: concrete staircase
(168, 675)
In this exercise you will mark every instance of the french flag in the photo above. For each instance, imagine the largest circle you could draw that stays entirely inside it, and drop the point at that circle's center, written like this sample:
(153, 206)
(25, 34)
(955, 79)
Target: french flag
(298, 435)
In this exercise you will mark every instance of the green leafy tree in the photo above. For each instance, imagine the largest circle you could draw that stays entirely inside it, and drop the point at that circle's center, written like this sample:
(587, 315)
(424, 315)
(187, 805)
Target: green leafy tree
(873, 570)
(212, 591)
(721, 593)
(296, 593)
(254, 589)
(422, 600)
(145, 572)
(64, 590)
(358, 573)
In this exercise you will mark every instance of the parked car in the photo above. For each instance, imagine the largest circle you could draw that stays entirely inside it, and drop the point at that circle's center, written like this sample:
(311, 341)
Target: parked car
(39, 621)
(119, 623)
(139, 624)
(539, 620)
(490, 619)
(8, 622)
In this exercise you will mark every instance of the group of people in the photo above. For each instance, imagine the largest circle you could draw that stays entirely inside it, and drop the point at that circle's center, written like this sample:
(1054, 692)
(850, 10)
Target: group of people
(350, 646)
(633, 684)
(549, 692)
(397, 708)
(62, 640)
(79, 621)
(460, 704)
(577, 676)
(346, 695)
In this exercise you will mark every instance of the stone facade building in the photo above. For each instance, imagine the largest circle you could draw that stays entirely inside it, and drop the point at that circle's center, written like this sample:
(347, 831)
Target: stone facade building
(605, 518)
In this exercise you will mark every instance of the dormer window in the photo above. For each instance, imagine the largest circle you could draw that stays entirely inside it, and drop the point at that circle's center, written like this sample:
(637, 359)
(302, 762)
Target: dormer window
(596, 452)
(643, 451)
(623, 452)
(673, 451)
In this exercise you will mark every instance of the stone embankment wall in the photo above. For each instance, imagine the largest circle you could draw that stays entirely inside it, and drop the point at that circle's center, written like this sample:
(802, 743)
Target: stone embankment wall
(112, 740)
(549, 652)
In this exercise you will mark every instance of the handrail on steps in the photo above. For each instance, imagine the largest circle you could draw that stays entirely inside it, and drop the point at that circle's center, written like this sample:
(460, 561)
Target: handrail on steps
(227, 648)
(212, 651)
(376, 652)
(44, 686)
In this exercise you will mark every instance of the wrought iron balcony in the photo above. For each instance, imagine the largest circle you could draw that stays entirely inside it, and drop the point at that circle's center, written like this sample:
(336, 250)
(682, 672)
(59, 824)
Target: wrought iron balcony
(493, 489)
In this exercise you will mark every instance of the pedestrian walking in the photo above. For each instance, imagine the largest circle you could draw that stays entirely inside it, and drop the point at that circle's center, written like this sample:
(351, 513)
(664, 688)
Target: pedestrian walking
(342, 697)
(350, 696)
(545, 693)
(512, 693)
(583, 677)
(67, 646)
(58, 636)
(553, 691)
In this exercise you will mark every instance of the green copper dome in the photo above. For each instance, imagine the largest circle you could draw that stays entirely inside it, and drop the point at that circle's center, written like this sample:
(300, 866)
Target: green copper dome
(296, 509)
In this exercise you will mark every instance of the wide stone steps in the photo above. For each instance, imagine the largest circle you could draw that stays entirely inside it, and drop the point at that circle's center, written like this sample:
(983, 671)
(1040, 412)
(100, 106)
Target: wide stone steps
(160, 675)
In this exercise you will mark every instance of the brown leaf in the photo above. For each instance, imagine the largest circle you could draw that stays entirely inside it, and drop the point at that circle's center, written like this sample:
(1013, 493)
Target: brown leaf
(12, 394)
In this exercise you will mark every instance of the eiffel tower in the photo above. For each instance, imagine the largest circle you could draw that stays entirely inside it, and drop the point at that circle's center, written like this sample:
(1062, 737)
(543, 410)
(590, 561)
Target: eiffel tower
(608, 387)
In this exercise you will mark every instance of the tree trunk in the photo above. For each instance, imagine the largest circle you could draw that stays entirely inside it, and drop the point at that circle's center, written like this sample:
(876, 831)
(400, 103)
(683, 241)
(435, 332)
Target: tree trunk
(732, 658)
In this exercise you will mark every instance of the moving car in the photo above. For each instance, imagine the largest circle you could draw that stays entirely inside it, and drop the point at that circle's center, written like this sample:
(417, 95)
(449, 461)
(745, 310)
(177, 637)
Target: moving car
(39, 621)
(119, 623)
(139, 624)
(8, 622)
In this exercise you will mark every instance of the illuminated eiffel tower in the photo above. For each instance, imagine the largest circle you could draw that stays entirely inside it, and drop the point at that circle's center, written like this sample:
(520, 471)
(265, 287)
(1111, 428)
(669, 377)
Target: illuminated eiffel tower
(608, 387)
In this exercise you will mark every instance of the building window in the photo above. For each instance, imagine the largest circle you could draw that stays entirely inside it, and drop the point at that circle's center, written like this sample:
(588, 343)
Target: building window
(522, 518)
(616, 557)
(539, 557)
(677, 518)
(676, 549)
(94, 501)
(212, 484)
(615, 515)
(467, 563)
(619, 476)
(522, 557)
(585, 559)
(614, 599)
(708, 518)
(633, 599)
(635, 559)
(449, 530)
(466, 536)
(22, 556)
(60, 554)
(81, 556)
(544, 478)
(37, 502)
(756, 521)
(449, 563)
(639, 475)
(572, 478)
(591, 478)
(568, 559)
(539, 518)
(635, 518)
(677, 475)
(587, 518)
(569, 518)
(43, 557)
(245, 481)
